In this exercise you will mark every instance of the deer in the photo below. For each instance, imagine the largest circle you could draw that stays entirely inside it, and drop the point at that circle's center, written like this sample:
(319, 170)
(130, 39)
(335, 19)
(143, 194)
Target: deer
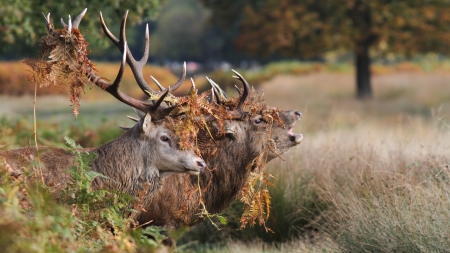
(245, 136)
(142, 155)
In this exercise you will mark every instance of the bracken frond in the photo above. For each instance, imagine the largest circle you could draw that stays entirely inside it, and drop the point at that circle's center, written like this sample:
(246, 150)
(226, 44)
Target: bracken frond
(66, 63)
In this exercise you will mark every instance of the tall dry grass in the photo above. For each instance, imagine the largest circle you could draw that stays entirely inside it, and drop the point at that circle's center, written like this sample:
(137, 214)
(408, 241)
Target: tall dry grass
(387, 189)
(369, 176)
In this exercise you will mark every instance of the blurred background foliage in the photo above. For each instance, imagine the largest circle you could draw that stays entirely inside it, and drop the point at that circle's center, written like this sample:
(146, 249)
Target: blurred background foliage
(22, 22)
(217, 33)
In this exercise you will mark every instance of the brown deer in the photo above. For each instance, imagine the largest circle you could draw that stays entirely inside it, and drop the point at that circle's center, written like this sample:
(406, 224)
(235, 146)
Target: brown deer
(245, 138)
(246, 135)
(137, 157)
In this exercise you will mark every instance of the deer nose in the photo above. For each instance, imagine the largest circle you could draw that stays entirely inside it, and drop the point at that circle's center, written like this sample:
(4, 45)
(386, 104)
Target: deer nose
(299, 114)
(201, 165)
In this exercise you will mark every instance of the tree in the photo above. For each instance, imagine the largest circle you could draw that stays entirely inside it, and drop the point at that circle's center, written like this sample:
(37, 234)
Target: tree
(179, 31)
(22, 22)
(309, 28)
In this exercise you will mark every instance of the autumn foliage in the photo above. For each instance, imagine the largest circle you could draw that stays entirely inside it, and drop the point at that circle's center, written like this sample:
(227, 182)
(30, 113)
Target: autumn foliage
(67, 63)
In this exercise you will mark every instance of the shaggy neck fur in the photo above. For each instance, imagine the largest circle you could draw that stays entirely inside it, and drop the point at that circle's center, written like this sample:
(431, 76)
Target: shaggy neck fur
(121, 160)
(228, 175)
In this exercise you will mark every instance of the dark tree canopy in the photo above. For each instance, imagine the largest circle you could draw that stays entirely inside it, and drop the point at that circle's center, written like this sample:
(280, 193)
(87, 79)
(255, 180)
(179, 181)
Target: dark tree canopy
(309, 28)
(305, 27)
(179, 31)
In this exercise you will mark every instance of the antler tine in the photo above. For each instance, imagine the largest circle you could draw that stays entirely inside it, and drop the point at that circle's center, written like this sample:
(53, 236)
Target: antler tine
(211, 99)
(238, 90)
(132, 118)
(181, 80)
(219, 100)
(113, 88)
(136, 66)
(116, 83)
(161, 99)
(246, 93)
(193, 85)
(214, 91)
(174, 86)
(50, 27)
(62, 22)
(69, 27)
(218, 89)
(77, 20)
(140, 114)
(47, 18)
(158, 84)
(124, 128)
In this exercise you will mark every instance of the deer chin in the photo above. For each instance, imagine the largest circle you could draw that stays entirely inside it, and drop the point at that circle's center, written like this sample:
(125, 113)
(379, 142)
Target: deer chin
(193, 172)
(186, 170)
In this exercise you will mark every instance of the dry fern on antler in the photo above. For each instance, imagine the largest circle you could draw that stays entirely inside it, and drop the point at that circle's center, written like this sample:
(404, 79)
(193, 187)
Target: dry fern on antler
(63, 62)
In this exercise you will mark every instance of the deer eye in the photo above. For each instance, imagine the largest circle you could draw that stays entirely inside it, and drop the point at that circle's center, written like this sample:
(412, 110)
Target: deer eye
(164, 138)
(258, 121)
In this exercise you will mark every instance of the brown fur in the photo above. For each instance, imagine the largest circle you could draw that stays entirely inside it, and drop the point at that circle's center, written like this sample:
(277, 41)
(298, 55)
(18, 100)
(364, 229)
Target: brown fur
(135, 158)
(177, 204)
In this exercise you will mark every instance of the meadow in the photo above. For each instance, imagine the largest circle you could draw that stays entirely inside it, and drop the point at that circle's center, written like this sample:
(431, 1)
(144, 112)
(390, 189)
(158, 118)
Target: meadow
(369, 176)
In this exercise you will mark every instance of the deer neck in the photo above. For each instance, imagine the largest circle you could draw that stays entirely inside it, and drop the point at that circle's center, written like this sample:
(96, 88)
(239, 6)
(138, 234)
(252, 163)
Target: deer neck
(227, 176)
(121, 160)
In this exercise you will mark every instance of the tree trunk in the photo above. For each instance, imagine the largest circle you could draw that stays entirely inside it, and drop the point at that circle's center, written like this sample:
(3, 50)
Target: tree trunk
(362, 65)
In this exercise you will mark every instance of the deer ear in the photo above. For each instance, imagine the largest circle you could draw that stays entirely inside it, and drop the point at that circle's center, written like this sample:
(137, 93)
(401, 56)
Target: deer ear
(146, 123)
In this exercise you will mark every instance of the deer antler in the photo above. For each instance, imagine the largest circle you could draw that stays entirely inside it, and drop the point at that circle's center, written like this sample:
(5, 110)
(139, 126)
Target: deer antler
(246, 93)
(238, 112)
(156, 111)
(137, 66)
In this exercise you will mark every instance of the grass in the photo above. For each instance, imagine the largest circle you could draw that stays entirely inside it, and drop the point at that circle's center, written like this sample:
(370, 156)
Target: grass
(17, 133)
(343, 184)
(369, 176)
(385, 194)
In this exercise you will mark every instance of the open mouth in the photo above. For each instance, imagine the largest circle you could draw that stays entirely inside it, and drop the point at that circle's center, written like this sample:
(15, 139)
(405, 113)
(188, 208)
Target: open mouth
(297, 138)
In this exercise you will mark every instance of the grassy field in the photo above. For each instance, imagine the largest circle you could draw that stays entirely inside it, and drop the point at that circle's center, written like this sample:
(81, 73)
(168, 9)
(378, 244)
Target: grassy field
(370, 176)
